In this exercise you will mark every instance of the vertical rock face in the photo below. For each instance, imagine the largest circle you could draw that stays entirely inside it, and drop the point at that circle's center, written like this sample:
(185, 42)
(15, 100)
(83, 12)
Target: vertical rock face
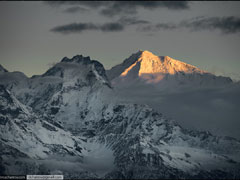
(70, 113)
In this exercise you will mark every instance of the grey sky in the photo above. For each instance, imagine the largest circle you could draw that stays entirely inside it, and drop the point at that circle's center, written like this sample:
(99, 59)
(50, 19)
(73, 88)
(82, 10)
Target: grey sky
(204, 34)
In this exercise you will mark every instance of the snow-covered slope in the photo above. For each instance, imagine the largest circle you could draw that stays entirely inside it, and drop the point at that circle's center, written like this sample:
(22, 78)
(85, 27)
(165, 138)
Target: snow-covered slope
(163, 72)
(71, 88)
(79, 88)
(35, 138)
(26, 132)
(148, 145)
(30, 144)
(70, 115)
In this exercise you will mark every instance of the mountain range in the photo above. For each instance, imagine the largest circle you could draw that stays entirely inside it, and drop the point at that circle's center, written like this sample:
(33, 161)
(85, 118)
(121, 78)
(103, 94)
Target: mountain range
(71, 121)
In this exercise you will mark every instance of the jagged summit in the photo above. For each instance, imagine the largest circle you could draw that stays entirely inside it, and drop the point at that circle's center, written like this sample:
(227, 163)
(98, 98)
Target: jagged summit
(2, 69)
(75, 66)
(77, 59)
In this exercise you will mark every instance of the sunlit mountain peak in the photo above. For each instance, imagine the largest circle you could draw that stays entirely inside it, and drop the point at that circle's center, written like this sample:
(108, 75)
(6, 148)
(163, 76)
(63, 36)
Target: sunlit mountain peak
(148, 63)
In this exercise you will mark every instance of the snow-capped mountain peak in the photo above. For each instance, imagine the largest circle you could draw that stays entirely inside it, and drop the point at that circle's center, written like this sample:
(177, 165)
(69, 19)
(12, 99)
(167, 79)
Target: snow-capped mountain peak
(145, 62)
(78, 67)
(164, 64)
(145, 67)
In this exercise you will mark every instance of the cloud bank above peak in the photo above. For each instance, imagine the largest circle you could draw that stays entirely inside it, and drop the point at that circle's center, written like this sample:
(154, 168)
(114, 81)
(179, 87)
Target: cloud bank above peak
(113, 8)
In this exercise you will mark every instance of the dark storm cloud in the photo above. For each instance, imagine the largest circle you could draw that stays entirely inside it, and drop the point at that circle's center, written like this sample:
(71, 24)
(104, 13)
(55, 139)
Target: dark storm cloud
(74, 28)
(228, 24)
(225, 25)
(112, 8)
(117, 26)
(80, 27)
(131, 7)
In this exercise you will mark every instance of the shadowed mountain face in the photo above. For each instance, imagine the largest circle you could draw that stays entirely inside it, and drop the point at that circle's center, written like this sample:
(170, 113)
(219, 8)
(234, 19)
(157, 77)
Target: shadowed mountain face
(70, 121)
